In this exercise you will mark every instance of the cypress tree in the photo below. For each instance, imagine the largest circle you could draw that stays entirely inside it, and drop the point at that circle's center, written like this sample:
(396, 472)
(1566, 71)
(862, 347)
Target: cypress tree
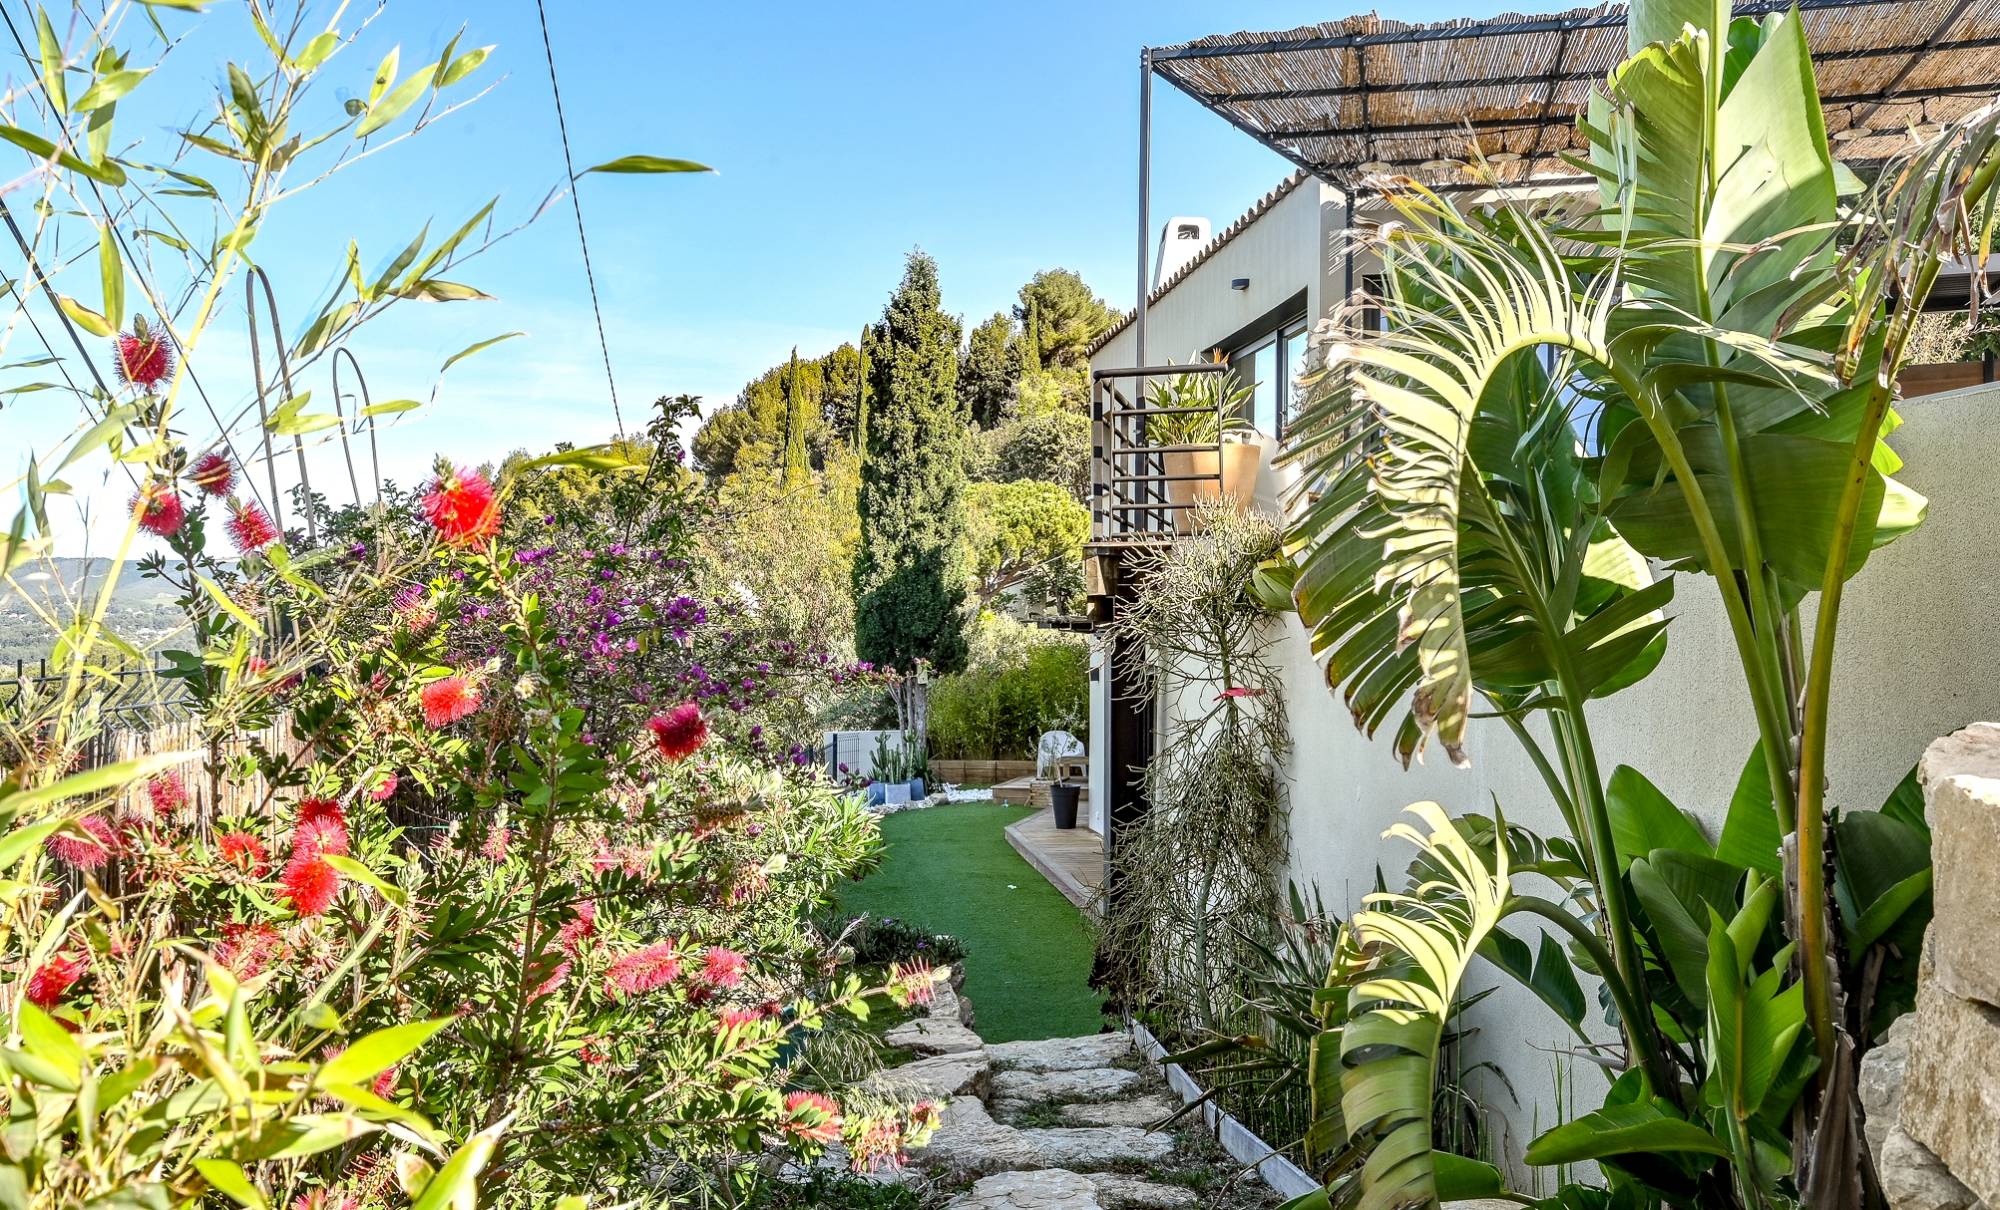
(861, 394)
(797, 464)
(910, 573)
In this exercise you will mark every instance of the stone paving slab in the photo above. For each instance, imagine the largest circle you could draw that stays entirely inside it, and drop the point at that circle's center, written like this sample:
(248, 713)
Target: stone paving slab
(1144, 1111)
(1056, 1189)
(933, 1036)
(1061, 1054)
(1095, 1147)
(1087, 1084)
(935, 1079)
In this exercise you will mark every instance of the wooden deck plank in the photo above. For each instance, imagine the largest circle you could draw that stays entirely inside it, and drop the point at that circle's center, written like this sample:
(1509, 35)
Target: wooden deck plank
(1072, 860)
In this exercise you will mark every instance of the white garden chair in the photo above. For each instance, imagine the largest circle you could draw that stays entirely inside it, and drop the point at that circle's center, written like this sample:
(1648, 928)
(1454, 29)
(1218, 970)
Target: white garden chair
(1054, 748)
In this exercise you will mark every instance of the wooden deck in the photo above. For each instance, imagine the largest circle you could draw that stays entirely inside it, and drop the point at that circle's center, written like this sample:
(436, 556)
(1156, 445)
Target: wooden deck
(1072, 860)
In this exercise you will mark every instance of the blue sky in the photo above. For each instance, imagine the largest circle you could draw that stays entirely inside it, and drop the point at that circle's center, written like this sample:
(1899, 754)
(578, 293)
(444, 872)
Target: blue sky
(999, 138)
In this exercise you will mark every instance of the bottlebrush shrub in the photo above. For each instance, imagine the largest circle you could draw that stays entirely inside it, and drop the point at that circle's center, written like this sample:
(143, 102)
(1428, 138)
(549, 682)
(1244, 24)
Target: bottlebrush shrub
(618, 947)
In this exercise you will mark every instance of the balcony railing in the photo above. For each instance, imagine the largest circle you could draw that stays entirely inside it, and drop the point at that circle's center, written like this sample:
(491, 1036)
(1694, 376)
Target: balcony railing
(1145, 479)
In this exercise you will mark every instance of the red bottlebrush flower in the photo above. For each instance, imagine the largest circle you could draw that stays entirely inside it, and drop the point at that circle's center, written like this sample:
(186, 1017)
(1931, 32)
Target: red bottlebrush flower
(326, 1199)
(592, 1051)
(314, 809)
(722, 968)
(812, 1117)
(679, 732)
(85, 853)
(495, 848)
(250, 527)
(462, 508)
(246, 948)
(167, 793)
(730, 1019)
(915, 983)
(53, 979)
(318, 837)
(386, 1082)
(143, 359)
(383, 788)
(245, 852)
(160, 510)
(578, 928)
(554, 981)
(310, 883)
(213, 474)
(449, 700)
(642, 970)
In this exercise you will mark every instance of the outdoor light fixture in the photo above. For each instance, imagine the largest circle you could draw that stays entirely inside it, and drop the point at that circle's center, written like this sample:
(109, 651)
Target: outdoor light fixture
(1375, 166)
(1239, 284)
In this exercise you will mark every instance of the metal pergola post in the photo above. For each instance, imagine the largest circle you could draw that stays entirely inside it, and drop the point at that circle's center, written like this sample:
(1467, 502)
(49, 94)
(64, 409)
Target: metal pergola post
(1145, 200)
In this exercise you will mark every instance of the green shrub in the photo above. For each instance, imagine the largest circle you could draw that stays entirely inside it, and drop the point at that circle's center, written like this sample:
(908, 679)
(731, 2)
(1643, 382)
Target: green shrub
(889, 939)
(1019, 683)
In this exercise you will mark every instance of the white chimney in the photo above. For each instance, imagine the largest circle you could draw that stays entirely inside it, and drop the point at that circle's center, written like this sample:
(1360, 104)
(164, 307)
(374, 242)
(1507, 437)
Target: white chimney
(1180, 239)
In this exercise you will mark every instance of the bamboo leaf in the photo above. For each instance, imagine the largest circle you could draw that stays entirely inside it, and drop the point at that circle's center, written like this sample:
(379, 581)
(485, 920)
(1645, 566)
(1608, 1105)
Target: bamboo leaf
(646, 164)
(475, 347)
(111, 270)
(391, 107)
(463, 66)
(109, 89)
(107, 172)
(228, 1178)
(51, 52)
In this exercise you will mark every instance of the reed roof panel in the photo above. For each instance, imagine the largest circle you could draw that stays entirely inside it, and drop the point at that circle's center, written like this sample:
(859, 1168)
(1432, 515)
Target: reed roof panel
(1343, 99)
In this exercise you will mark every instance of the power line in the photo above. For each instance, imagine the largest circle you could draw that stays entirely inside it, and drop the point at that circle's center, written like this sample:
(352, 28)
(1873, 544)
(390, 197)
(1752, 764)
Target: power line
(576, 205)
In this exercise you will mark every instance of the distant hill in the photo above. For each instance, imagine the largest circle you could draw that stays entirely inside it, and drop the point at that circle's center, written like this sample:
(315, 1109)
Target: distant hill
(142, 611)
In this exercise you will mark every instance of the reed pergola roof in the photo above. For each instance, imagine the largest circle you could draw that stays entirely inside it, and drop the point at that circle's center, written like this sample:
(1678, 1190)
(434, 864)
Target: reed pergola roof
(1347, 99)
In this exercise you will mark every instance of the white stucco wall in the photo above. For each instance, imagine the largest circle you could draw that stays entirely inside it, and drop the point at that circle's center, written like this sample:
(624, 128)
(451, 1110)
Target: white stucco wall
(1287, 249)
(1919, 657)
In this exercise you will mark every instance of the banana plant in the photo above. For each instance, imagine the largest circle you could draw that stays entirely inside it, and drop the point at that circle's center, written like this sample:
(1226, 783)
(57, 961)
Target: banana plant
(1722, 336)
(1732, 1021)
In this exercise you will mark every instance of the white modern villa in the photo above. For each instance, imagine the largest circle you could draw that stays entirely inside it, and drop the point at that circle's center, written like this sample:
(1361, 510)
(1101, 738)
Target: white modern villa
(1350, 100)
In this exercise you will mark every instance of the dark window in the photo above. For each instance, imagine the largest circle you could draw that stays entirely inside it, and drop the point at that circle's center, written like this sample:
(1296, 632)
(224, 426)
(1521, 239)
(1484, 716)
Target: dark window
(1269, 362)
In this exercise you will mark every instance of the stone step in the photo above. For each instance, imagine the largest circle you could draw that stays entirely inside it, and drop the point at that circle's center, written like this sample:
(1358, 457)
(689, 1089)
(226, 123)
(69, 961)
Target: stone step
(1020, 1088)
(933, 1036)
(969, 1143)
(1058, 1189)
(1061, 1054)
(935, 1079)
(1143, 1111)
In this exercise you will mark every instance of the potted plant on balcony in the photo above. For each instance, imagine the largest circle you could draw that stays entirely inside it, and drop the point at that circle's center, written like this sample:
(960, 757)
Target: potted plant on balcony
(1206, 410)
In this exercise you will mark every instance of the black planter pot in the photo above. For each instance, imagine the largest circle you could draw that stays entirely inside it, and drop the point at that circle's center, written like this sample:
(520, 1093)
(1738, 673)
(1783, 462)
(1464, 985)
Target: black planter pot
(1062, 800)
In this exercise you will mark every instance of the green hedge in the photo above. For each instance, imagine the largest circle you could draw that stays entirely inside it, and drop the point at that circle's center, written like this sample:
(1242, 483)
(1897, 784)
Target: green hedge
(1019, 683)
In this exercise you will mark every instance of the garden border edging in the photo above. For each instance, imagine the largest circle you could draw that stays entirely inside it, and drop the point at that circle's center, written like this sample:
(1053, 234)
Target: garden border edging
(1280, 1174)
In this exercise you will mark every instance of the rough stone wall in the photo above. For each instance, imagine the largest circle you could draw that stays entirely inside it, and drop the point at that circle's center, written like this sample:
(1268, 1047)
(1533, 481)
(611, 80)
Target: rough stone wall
(1932, 1088)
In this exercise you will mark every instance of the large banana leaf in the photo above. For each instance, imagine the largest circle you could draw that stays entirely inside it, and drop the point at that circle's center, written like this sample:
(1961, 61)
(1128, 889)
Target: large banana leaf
(1450, 544)
(1408, 955)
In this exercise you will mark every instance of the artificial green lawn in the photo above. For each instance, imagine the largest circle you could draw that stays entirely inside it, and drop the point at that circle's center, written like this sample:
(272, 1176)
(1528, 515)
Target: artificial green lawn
(950, 869)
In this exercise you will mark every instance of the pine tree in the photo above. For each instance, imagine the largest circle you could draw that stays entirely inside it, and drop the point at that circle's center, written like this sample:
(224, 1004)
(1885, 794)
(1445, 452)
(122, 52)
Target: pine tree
(910, 573)
(992, 366)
